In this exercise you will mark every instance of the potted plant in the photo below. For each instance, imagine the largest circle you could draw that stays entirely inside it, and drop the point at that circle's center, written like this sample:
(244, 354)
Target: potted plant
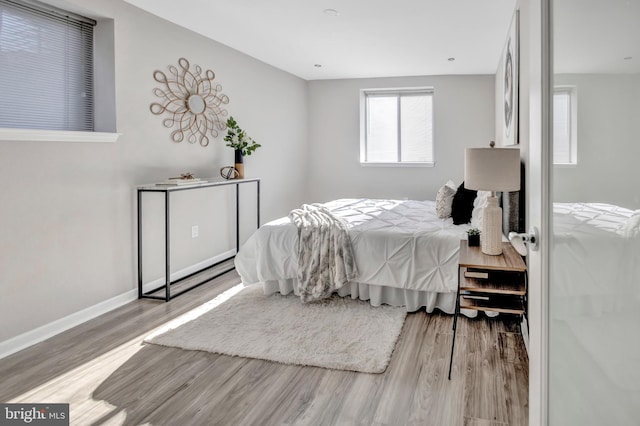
(242, 144)
(473, 236)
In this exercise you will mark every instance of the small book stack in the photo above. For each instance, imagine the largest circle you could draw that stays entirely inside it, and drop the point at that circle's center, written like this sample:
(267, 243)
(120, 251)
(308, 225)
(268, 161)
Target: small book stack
(181, 182)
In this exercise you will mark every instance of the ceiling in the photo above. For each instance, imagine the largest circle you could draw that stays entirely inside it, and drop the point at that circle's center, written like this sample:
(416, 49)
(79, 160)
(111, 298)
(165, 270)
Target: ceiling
(595, 36)
(365, 38)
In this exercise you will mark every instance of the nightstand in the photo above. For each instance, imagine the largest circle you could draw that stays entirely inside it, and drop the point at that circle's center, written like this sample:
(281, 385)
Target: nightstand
(489, 283)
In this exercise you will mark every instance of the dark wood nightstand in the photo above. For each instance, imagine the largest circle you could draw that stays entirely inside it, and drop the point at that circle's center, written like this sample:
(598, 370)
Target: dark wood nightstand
(489, 283)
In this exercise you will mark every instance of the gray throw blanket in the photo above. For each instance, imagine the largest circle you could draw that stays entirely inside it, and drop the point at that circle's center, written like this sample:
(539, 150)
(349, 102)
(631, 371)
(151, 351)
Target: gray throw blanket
(325, 255)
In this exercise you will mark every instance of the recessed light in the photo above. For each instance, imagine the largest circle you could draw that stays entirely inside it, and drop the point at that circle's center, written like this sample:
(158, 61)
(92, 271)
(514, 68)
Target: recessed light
(451, 59)
(317, 65)
(628, 58)
(331, 12)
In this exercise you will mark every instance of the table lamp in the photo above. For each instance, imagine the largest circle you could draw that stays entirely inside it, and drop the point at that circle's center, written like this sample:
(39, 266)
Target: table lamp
(492, 169)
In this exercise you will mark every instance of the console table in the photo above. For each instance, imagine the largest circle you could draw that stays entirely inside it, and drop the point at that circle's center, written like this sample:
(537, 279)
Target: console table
(167, 191)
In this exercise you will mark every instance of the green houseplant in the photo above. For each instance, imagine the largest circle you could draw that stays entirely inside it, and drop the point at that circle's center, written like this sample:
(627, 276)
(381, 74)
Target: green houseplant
(473, 236)
(238, 139)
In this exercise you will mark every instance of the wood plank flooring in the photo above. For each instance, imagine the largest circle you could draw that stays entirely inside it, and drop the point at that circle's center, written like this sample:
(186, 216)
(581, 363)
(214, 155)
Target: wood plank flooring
(107, 375)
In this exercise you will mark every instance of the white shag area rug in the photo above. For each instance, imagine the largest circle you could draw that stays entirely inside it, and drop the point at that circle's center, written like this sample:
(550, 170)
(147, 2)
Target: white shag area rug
(338, 333)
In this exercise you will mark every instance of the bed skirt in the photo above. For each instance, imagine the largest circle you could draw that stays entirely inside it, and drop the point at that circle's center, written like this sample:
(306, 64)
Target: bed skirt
(412, 300)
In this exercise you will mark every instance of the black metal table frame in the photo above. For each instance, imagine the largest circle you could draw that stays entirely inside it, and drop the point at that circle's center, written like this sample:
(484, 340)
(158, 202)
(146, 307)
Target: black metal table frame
(455, 322)
(167, 229)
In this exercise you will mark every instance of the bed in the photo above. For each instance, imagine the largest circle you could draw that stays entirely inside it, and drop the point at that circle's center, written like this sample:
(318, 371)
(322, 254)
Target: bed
(595, 266)
(405, 254)
(594, 297)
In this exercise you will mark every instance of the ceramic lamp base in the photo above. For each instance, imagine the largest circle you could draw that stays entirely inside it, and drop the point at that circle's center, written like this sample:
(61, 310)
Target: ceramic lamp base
(492, 227)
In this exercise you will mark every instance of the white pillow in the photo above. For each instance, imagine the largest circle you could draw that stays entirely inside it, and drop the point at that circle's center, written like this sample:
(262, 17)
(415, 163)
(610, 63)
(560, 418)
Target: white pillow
(478, 204)
(444, 199)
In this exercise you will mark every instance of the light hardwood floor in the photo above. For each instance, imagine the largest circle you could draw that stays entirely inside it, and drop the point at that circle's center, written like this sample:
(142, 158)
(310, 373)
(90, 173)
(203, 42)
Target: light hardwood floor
(107, 375)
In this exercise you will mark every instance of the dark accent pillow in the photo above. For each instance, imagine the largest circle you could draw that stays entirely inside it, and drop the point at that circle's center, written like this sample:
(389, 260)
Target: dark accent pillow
(462, 206)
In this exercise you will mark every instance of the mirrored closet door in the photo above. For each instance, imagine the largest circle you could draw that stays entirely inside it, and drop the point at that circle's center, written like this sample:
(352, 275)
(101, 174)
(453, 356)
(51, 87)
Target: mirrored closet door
(594, 291)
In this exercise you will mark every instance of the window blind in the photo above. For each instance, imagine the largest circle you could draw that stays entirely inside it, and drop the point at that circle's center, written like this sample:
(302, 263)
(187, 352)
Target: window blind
(46, 68)
(399, 126)
(562, 126)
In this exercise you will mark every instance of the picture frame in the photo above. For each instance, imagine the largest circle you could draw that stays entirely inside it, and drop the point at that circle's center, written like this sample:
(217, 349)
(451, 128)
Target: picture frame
(509, 81)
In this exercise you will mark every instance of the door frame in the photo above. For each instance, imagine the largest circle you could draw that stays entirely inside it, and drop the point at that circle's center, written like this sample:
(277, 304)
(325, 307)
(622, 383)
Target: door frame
(539, 200)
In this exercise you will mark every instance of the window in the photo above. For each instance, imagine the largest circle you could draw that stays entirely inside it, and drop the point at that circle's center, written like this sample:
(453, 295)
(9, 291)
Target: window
(565, 126)
(397, 127)
(46, 68)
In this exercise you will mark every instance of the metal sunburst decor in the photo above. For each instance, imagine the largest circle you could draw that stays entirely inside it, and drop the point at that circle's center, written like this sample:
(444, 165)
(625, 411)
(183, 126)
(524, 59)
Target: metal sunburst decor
(194, 102)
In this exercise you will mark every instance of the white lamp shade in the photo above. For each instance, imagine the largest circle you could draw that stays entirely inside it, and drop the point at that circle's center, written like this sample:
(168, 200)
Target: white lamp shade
(492, 169)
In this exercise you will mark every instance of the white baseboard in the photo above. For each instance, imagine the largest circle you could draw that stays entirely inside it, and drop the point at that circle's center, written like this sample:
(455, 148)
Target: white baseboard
(46, 331)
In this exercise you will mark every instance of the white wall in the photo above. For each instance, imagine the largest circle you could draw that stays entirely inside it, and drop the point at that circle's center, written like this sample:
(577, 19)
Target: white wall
(67, 235)
(464, 117)
(608, 141)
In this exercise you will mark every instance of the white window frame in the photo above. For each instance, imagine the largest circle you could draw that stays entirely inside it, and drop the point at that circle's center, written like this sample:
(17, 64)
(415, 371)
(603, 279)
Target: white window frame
(104, 110)
(35, 135)
(364, 93)
(572, 91)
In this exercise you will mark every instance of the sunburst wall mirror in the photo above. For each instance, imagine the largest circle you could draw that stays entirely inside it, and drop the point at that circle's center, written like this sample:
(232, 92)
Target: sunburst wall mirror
(195, 103)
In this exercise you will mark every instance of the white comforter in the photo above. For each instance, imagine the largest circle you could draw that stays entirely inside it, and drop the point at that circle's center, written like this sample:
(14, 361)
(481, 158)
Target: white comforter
(399, 244)
(595, 257)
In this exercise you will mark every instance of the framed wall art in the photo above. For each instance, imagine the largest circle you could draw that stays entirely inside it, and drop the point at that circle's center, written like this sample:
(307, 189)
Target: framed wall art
(509, 80)
(194, 102)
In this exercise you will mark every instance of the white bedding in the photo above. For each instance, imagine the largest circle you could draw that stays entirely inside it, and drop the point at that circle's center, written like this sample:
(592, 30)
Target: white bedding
(398, 244)
(594, 298)
(595, 259)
